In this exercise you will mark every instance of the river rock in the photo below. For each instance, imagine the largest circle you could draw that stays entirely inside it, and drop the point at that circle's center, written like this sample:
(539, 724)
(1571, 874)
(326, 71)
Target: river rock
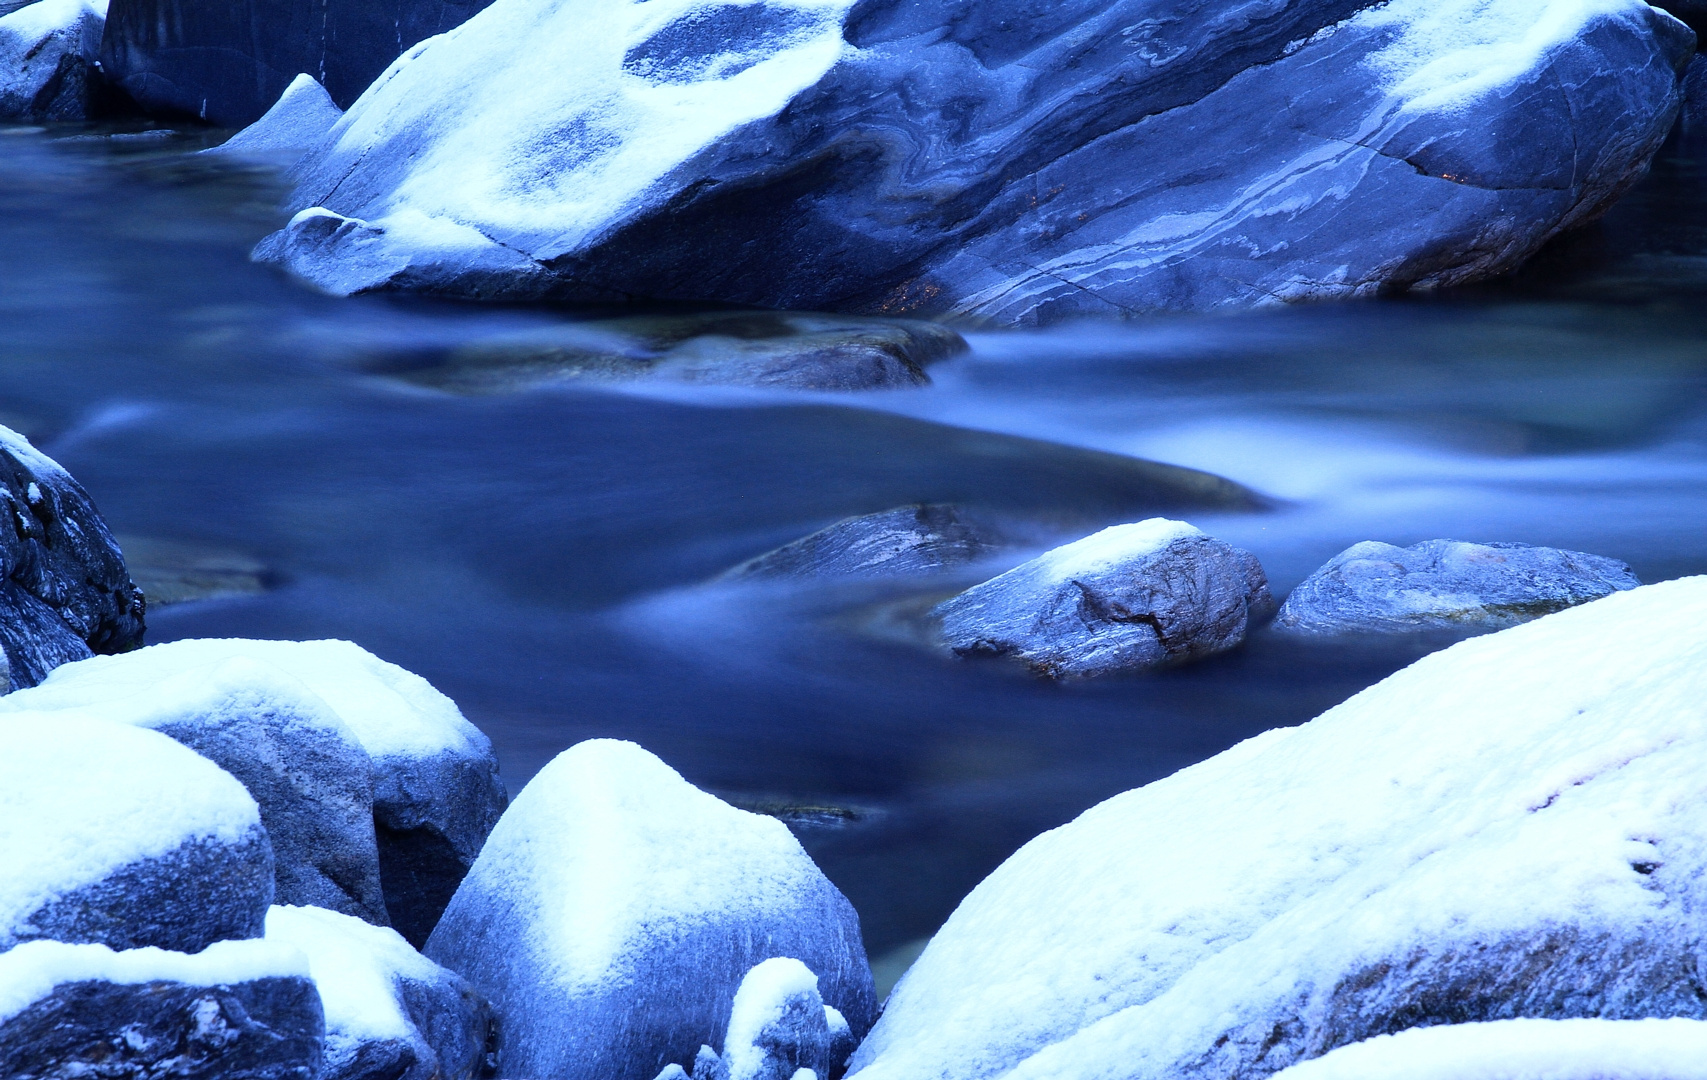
(778, 1026)
(908, 541)
(391, 1014)
(47, 59)
(1507, 828)
(121, 837)
(616, 909)
(1131, 597)
(298, 120)
(1376, 588)
(307, 772)
(1002, 161)
(64, 591)
(239, 1009)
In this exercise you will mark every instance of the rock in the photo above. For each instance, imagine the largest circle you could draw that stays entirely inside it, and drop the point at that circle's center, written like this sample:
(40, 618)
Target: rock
(908, 541)
(1555, 1049)
(121, 837)
(1006, 161)
(1376, 588)
(391, 1014)
(300, 118)
(782, 350)
(1693, 12)
(1508, 828)
(436, 791)
(778, 1027)
(64, 591)
(1130, 597)
(616, 909)
(239, 1009)
(309, 775)
(228, 64)
(47, 58)
(175, 572)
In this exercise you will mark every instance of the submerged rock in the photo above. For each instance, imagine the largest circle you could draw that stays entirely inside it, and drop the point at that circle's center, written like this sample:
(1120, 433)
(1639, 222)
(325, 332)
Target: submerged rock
(391, 1014)
(298, 120)
(616, 909)
(1376, 588)
(1508, 828)
(1130, 597)
(64, 591)
(121, 837)
(238, 1009)
(1005, 161)
(47, 59)
(908, 541)
(175, 572)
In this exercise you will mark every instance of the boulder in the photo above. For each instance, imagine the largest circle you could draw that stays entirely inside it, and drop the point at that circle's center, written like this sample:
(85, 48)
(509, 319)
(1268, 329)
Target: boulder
(308, 774)
(391, 1014)
(64, 591)
(1007, 161)
(1506, 1049)
(908, 541)
(778, 1027)
(47, 59)
(436, 791)
(239, 1009)
(1376, 588)
(121, 837)
(1131, 597)
(616, 909)
(227, 64)
(1508, 828)
(298, 120)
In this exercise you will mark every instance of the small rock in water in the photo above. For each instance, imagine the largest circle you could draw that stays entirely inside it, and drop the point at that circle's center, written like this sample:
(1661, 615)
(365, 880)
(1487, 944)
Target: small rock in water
(174, 572)
(1131, 597)
(926, 538)
(1376, 588)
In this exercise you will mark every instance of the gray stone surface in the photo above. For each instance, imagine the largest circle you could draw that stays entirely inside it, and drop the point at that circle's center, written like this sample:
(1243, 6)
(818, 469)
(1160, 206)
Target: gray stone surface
(1012, 161)
(1150, 594)
(926, 538)
(47, 60)
(1377, 588)
(64, 590)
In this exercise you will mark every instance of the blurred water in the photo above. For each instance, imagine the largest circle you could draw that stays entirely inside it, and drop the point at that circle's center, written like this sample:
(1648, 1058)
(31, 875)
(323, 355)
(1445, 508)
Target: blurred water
(541, 556)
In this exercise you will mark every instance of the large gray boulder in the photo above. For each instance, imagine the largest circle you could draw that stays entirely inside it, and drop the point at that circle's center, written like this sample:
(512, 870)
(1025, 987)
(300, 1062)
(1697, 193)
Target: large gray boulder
(1145, 595)
(47, 59)
(243, 1010)
(616, 908)
(908, 541)
(1007, 160)
(1376, 588)
(118, 836)
(64, 591)
(391, 1014)
(1508, 828)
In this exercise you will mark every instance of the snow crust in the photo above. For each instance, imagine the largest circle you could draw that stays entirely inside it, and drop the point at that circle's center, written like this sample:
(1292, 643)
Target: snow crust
(1672, 1049)
(1547, 778)
(760, 1002)
(11, 441)
(80, 799)
(356, 966)
(1103, 550)
(30, 971)
(298, 120)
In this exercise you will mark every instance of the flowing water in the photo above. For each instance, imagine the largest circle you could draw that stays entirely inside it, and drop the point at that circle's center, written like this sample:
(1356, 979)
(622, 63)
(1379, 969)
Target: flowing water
(543, 556)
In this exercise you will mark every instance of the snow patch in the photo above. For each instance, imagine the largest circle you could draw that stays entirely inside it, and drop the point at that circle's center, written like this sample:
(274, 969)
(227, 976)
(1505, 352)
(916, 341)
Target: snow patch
(1108, 548)
(356, 966)
(30, 971)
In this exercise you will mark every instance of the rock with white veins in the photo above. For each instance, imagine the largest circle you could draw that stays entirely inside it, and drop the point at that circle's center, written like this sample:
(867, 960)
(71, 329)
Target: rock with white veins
(616, 909)
(1508, 828)
(1145, 595)
(1376, 588)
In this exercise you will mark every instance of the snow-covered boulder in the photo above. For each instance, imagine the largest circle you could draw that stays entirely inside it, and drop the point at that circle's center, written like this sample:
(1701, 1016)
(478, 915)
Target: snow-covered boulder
(298, 120)
(778, 1025)
(307, 772)
(616, 908)
(1508, 828)
(391, 1014)
(907, 541)
(1000, 160)
(119, 836)
(1522, 1050)
(238, 1009)
(64, 590)
(1144, 595)
(47, 55)
(436, 791)
(1378, 588)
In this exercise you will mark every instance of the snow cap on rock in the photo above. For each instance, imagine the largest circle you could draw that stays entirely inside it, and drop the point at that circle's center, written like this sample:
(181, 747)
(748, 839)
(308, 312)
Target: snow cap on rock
(777, 1024)
(32, 970)
(300, 118)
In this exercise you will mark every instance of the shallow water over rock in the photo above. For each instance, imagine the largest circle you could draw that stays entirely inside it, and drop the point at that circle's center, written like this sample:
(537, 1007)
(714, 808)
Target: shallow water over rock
(543, 556)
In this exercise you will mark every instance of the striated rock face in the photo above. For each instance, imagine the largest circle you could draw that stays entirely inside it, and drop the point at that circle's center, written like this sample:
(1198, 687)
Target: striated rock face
(1376, 588)
(904, 542)
(1013, 161)
(1145, 595)
(1509, 828)
(64, 591)
(47, 59)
